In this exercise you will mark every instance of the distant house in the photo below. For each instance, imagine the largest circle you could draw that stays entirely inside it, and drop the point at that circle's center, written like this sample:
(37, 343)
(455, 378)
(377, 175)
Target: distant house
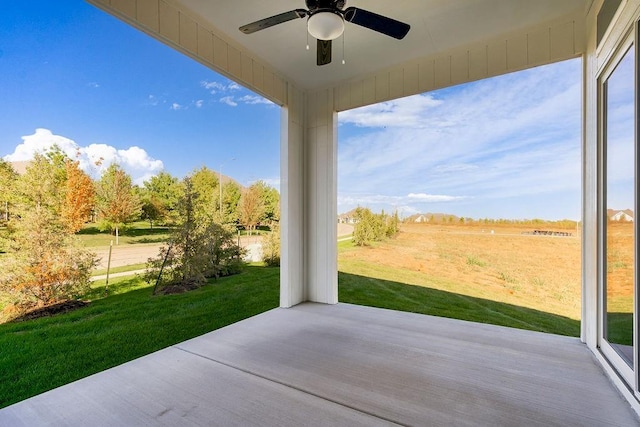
(622, 216)
(347, 217)
(421, 218)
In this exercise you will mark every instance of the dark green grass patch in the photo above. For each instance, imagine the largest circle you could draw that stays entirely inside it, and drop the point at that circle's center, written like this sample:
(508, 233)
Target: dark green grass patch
(380, 293)
(42, 354)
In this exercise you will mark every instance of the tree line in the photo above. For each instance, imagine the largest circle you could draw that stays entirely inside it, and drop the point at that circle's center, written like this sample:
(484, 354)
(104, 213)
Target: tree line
(113, 201)
(44, 208)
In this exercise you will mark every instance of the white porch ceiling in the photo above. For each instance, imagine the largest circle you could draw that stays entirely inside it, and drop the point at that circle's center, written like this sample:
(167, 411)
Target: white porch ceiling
(437, 26)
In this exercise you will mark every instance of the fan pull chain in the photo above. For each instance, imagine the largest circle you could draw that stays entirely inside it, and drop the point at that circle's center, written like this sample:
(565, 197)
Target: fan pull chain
(307, 39)
(343, 36)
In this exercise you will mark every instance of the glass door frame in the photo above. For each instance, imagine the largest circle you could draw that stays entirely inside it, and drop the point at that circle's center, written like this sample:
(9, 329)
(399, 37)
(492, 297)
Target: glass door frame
(630, 374)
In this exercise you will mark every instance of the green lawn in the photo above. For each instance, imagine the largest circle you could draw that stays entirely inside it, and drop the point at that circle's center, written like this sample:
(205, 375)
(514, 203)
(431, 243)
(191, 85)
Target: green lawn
(42, 354)
(374, 292)
(136, 233)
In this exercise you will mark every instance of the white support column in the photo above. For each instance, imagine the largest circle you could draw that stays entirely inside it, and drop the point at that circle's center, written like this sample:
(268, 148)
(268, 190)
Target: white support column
(321, 198)
(292, 265)
(308, 188)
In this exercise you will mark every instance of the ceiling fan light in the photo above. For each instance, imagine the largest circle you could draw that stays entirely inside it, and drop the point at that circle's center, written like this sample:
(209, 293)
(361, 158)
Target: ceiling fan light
(325, 25)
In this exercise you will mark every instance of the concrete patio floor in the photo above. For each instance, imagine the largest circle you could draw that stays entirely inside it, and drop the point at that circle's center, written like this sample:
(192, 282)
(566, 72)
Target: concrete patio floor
(344, 365)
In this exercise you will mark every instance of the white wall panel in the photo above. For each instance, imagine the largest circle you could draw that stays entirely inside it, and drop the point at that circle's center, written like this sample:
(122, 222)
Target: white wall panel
(126, 7)
(188, 33)
(497, 57)
(169, 23)
(426, 75)
(563, 41)
(235, 62)
(460, 67)
(442, 70)
(539, 46)
(411, 79)
(396, 83)
(517, 52)
(478, 63)
(205, 45)
(382, 86)
(148, 14)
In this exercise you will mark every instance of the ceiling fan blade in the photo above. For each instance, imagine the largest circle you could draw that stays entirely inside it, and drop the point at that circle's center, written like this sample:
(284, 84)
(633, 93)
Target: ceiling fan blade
(273, 20)
(375, 22)
(324, 52)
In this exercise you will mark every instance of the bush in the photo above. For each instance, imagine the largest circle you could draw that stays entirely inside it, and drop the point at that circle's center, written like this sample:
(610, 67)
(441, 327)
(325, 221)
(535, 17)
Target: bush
(271, 247)
(372, 227)
(197, 251)
(47, 265)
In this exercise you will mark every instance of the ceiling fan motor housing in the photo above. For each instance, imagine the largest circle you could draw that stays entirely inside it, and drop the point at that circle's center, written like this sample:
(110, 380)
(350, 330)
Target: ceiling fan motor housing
(312, 5)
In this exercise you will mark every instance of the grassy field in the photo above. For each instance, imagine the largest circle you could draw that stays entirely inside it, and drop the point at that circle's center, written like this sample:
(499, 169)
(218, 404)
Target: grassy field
(533, 274)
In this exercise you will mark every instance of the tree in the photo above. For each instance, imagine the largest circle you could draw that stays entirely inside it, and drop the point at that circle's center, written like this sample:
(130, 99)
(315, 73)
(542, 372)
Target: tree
(251, 207)
(43, 184)
(163, 191)
(48, 265)
(270, 200)
(79, 197)
(197, 250)
(152, 209)
(206, 204)
(231, 195)
(8, 180)
(116, 202)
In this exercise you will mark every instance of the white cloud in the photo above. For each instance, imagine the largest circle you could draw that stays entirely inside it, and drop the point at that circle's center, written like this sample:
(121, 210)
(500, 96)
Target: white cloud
(199, 103)
(229, 101)
(254, 99)
(216, 87)
(433, 197)
(402, 112)
(94, 158)
(175, 107)
(501, 147)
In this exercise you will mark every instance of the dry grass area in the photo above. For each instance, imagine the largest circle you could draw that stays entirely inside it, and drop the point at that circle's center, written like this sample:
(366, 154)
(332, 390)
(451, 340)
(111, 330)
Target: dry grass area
(620, 267)
(495, 262)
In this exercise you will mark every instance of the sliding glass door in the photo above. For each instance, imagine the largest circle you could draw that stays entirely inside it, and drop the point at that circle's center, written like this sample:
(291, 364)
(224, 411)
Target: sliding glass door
(618, 293)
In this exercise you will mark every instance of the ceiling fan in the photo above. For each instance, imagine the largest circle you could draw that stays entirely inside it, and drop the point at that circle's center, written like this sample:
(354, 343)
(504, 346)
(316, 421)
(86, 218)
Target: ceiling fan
(325, 22)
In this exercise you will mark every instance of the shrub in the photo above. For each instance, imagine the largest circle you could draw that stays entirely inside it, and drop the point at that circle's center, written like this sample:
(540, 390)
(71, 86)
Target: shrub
(47, 265)
(372, 227)
(197, 251)
(271, 247)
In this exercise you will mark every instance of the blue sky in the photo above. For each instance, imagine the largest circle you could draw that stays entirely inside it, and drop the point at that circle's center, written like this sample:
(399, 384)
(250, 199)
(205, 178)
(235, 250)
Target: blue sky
(507, 147)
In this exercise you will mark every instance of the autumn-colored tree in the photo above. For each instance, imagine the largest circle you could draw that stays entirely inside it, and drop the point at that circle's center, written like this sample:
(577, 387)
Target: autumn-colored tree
(117, 204)
(79, 197)
(47, 265)
(251, 207)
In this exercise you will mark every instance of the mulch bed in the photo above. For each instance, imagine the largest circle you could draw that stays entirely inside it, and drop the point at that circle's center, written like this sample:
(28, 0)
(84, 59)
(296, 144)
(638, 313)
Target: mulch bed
(51, 310)
(178, 288)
